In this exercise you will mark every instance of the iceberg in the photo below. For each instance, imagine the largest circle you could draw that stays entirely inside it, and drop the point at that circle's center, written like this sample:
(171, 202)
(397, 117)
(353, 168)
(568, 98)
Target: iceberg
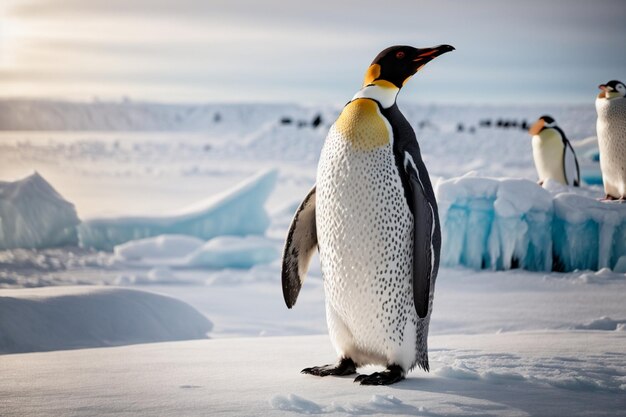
(33, 215)
(589, 234)
(501, 224)
(490, 223)
(239, 211)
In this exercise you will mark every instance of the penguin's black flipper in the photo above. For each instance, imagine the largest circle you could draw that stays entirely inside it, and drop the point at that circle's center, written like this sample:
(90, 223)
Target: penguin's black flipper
(424, 239)
(570, 164)
(420, 198)
(299, 248)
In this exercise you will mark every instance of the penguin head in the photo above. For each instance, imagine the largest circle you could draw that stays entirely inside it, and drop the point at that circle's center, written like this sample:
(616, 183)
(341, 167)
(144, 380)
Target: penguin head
(395, 65)
(612, 89)
(542, 124)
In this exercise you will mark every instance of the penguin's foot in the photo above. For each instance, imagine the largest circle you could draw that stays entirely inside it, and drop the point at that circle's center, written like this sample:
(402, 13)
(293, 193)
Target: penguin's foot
(391, 375)
(609, 197)
(346, 366)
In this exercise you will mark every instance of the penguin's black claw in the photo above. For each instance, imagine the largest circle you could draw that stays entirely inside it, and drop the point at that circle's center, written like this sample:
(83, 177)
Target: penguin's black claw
(345, 367)
(391, 375)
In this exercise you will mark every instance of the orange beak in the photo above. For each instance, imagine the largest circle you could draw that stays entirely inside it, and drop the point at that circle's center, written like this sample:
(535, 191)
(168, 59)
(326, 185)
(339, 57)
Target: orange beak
(536, 127)
(605, 90)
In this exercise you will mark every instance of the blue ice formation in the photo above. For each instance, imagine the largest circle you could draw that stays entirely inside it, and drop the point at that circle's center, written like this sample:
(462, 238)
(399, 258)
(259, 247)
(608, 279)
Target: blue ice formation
(33, 215)
(239, 211)
(490, 223)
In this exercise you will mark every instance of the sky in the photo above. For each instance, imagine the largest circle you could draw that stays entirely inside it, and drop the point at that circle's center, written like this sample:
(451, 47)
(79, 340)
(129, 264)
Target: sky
(314, 52)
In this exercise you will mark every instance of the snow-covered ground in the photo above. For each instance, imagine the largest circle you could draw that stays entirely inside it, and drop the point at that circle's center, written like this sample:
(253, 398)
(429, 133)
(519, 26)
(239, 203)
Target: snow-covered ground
(503, 342)
(509, 374)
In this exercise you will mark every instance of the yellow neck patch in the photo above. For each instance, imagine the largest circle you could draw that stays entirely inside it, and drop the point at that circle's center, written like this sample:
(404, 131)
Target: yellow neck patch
(384, 84)
(371, 74)
(362, 125)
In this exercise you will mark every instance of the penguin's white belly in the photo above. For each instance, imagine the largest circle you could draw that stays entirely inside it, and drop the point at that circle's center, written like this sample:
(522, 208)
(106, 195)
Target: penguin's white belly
(611, 128)
(548, 157)
(365, 237)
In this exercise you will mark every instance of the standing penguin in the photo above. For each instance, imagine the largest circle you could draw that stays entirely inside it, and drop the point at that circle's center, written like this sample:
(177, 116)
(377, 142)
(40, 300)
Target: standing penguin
(554, 156)
(373, 217)
(611, 126)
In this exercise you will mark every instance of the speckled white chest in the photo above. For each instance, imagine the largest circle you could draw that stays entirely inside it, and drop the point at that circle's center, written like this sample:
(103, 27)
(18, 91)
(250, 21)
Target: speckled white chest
(548, 157)
(611, 128)
(365, 241)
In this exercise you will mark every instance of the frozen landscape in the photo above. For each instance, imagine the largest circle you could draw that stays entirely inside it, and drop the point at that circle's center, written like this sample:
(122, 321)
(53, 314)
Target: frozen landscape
(183, 212)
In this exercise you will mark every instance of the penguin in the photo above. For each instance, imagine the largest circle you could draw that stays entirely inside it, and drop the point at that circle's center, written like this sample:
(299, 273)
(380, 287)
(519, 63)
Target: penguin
(373, 217)
(554, 155)
(611, 128)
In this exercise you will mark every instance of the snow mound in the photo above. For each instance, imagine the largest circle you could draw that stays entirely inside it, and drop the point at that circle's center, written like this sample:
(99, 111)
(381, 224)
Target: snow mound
(505, 223)
(56, 318)
(163, 246)
(377, 405)
(234, 252)
(295, 404)
(189, 252)
(160, 275)
(33, 215)
(239, 211)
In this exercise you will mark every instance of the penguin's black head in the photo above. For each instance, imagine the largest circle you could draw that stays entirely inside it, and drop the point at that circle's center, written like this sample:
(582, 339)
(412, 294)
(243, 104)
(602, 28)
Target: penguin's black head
(397, 64)
(544, 122)
(612, 89)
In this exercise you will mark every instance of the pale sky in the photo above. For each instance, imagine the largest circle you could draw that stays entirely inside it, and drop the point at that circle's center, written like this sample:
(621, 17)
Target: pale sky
(269, 50)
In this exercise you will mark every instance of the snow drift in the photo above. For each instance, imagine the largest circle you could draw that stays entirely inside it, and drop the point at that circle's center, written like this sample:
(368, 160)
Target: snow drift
(507, 223)
(159, 247)
(55, 318)
(239, 211)
(33, 215)
(234, 252)
(189, 252)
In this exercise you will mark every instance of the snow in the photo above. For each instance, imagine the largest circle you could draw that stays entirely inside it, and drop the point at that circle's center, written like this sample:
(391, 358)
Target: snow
(238, 211)
(34, 215)
(503, 223)
(159, 247)
(56, 318)
(189, 252)
(502, 342)
(579, 373)
(234, 252)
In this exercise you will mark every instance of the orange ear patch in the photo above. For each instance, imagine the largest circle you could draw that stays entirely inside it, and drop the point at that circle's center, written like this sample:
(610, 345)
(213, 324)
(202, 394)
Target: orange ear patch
(536, 127)
(361, 124)
(372, 73)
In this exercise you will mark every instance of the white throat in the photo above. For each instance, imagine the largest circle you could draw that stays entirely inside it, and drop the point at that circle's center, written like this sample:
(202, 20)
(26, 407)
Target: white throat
(386, 96)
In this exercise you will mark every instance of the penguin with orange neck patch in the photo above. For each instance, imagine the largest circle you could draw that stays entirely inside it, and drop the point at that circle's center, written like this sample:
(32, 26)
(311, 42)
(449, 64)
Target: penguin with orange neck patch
(373, 217)
(553, 153)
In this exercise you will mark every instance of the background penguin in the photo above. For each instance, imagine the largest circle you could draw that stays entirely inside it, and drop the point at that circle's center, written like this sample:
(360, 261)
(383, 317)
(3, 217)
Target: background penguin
(554, 156)
(611, 127)
(373, 216)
